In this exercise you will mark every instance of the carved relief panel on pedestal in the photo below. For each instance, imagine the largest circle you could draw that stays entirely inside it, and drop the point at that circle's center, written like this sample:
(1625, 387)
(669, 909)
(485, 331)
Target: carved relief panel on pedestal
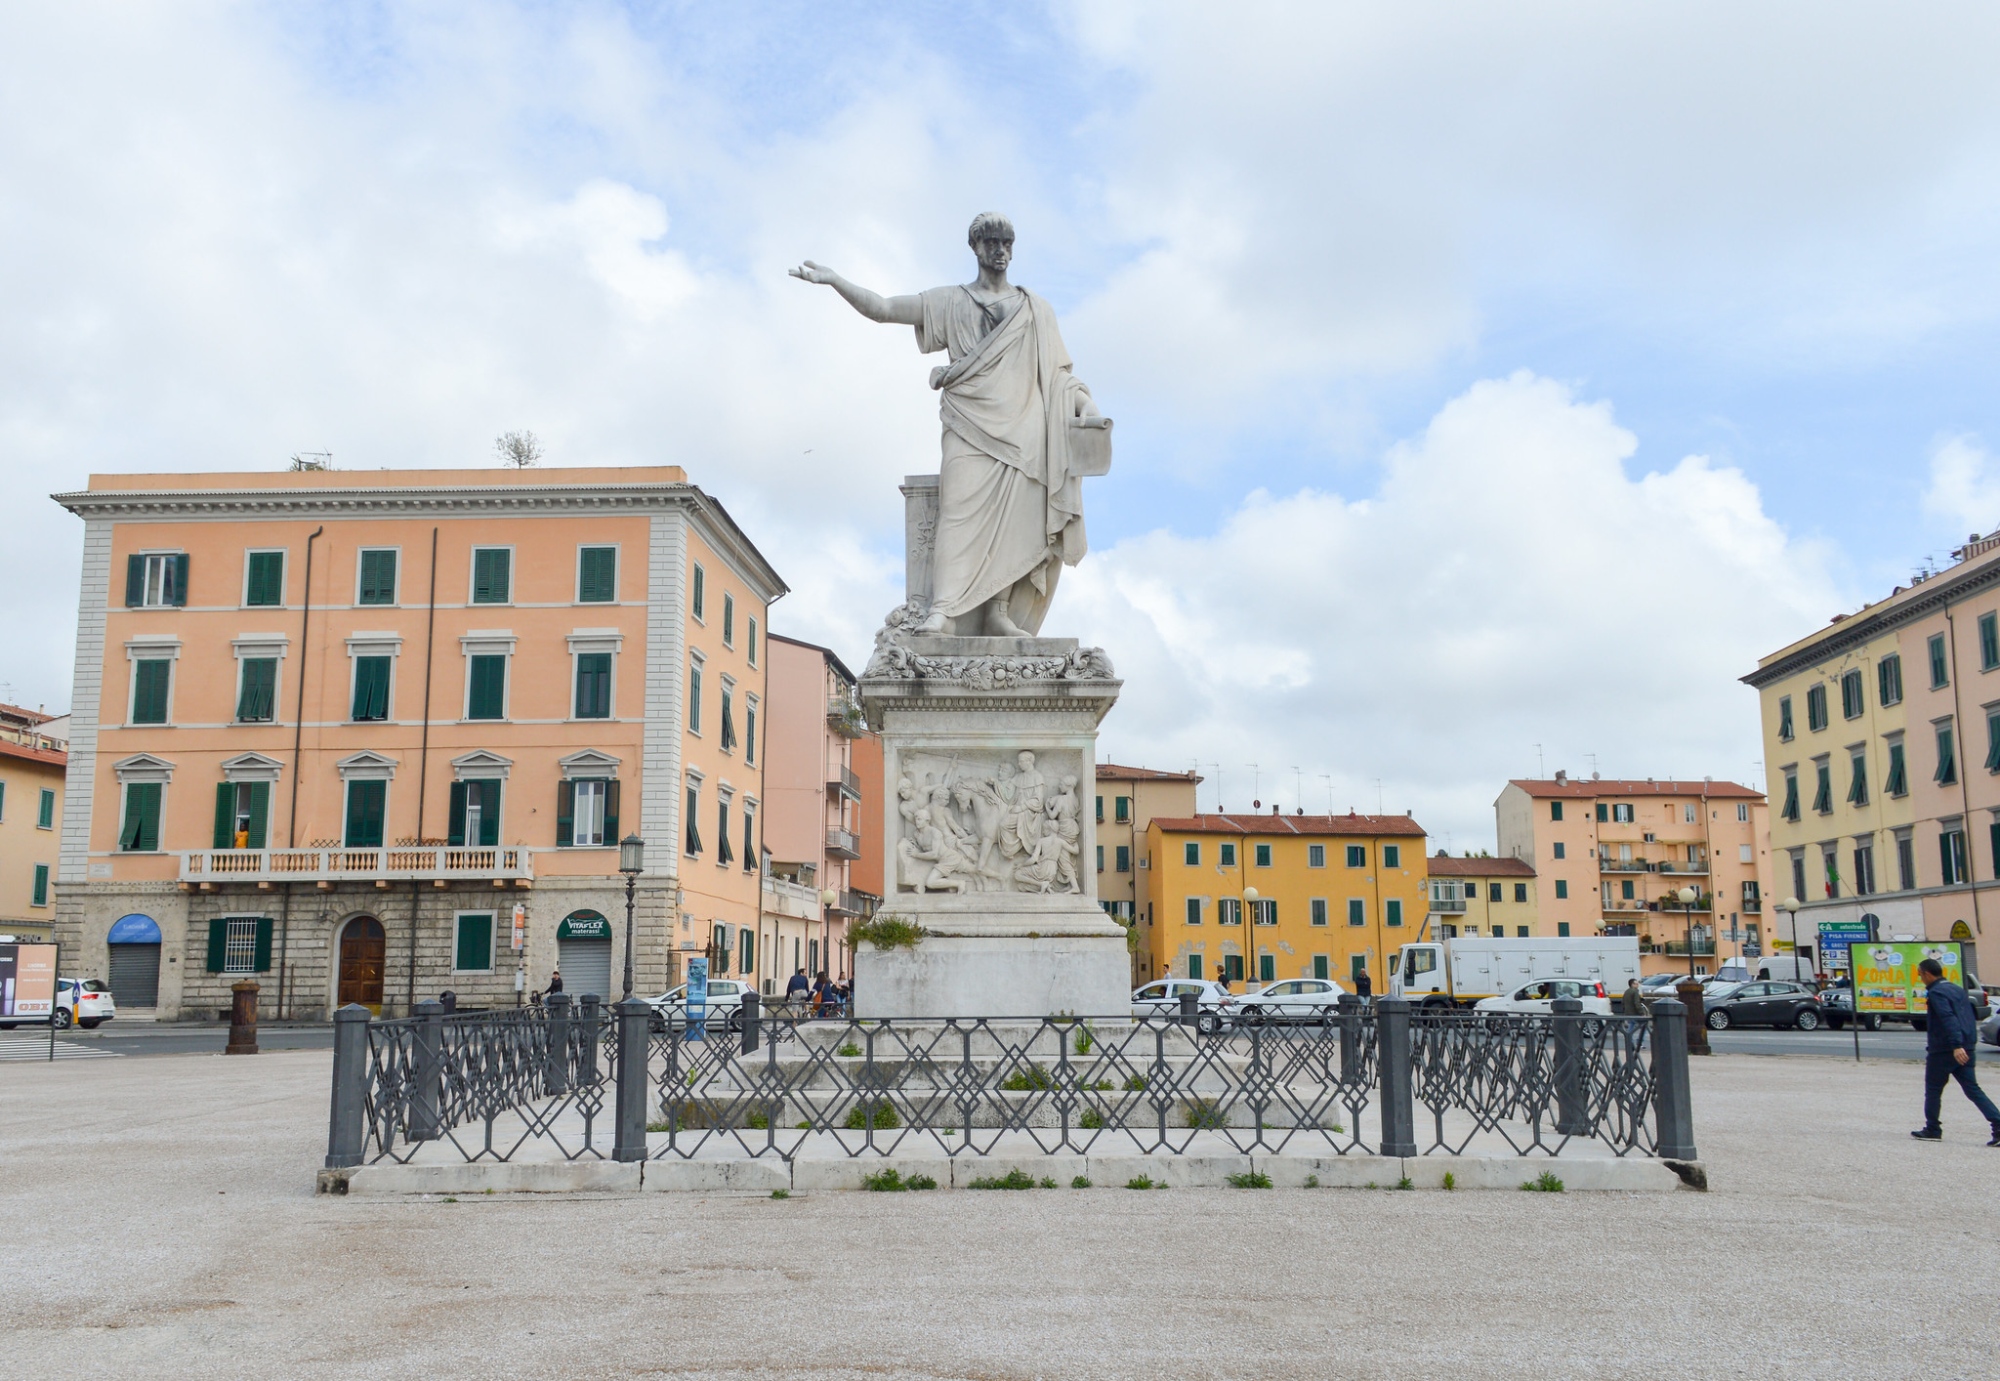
(990, 822)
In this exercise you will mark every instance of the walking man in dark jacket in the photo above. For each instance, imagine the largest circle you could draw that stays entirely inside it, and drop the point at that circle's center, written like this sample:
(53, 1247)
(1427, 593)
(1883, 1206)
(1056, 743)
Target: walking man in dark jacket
(1954, 1037)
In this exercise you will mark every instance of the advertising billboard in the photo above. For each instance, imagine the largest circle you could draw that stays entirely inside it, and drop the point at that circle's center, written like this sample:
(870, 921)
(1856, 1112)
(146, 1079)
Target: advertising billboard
(27, 982)
(1886, 980)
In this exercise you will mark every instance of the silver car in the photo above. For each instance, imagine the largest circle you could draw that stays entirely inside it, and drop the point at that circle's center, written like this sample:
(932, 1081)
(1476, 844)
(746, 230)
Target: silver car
(1295, 999)
(1163, 999)
(723, 1013)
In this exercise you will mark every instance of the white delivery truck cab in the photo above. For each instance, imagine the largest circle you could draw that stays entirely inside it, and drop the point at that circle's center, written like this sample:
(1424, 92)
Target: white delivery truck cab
(1458, 973)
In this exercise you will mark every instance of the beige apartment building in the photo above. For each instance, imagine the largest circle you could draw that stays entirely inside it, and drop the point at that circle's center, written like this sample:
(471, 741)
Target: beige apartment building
(815, 814)
(1882, 732)
(1611, 858)
(1482, 896)
(368, 736)
(31, 790)
(1127, 800)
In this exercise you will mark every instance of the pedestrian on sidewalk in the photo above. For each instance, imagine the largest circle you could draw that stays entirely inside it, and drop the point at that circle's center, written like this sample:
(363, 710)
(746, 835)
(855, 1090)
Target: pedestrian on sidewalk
(798, 987)
(1634, 1001)
(1948, 1054)
(555, 983)
(1364, 986)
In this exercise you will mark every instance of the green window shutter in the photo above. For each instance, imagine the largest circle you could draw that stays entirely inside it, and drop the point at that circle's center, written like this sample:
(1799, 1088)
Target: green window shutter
(1267, 968)
(611, 812)
(1603, 812)
(265, 581)
(41, 897)
(1357, 911)
(371, 688)
(262, 962)
(490, 575)
(135, 581)
(218, 940)
(260, 812)
(565, 814)
(1556, 811)
(225, 815)
(475, 944)
(456, 835)
(1791, 807)
(700, 592)
(142, 818)
(750, 734)
(728, 719)
(597, 576)
(178, 596)
(489, 812)
(364, 814)
(149, 692)
(694, 699)
(1898, 780)
(1947, 768)
(378, 577)
(47, 816)
(593, 685)
(255, 702)
(1194, 966)
(488, 698)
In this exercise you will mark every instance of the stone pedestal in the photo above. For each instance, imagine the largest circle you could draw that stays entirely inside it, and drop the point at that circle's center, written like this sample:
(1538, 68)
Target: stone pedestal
(989, 748)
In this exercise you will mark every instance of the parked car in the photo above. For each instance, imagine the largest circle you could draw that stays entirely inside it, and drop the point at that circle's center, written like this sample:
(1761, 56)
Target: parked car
(1295, 999)
(1163, 999)
(724, 1011)
(1989, 1030)
(1655, 986)
(84, 1002)
(1837, 1005)
(1763, 1004)
(1538, 998)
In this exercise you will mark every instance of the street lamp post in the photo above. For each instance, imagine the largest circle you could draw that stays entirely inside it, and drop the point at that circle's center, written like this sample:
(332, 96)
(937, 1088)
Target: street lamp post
(1790, 906)
(1251, 896)
(827, 897)
(631, 862)
(1686, 897)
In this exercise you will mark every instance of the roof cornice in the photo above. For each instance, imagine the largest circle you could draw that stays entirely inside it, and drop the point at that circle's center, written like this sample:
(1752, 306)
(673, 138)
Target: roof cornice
(437, 501)
(1840, 638)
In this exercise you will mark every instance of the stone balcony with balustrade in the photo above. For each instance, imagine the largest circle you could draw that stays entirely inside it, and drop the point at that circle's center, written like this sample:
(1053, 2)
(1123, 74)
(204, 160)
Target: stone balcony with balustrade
(439, 865)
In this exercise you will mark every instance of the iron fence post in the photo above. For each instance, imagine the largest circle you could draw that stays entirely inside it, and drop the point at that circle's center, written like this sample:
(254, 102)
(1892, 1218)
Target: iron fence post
(752, 1015)
(1673, 1107)
(1392, 1054)
(346, 1126)
(426, 1106)
(590, 1031)
(1350, 1036)
(1190, 1010)
(1569, 1066)
(634, 1046)
(555, 1069)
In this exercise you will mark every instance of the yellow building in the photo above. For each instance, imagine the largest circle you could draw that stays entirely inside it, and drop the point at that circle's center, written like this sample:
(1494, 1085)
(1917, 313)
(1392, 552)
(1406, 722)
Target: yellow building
(31, 789)
(1482, 896)
(1127, 800)
(1328, 895)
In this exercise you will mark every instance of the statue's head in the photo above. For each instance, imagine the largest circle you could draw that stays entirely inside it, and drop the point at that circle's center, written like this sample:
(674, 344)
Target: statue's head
(1026, 761)
(992, 239)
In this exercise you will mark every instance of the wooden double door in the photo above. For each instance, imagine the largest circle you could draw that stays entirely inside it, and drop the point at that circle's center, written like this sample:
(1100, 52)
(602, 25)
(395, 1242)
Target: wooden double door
(363, 953)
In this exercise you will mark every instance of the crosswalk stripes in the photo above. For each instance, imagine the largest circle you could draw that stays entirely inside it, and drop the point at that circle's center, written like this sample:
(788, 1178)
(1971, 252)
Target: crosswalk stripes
(14, 1046)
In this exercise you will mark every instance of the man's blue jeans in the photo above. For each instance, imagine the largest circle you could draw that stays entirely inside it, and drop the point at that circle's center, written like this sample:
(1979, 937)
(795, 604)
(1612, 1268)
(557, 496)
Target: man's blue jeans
(1940, 1066)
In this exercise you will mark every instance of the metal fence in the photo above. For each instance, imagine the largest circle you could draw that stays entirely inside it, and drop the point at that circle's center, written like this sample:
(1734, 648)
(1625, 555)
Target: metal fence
(1361, 1079)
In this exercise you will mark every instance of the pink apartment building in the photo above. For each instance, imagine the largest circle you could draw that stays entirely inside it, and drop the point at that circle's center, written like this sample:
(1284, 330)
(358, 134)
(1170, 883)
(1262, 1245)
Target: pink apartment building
(367, 736)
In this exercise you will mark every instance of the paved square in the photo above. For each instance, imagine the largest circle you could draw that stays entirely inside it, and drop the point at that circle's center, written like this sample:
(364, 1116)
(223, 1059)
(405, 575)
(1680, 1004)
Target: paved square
(161, 1224)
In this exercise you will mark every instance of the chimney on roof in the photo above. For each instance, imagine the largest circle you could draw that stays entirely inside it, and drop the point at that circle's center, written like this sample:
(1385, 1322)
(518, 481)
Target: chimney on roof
(1274, 807)
(1561, 776)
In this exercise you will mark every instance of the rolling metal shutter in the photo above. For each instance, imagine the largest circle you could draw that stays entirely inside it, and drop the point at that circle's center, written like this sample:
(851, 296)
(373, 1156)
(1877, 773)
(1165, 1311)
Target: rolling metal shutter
(135, 975)
(586, 967)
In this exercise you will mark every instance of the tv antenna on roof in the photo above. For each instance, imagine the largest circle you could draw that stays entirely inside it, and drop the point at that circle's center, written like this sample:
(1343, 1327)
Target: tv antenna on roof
(1327, 777)
(312, 460)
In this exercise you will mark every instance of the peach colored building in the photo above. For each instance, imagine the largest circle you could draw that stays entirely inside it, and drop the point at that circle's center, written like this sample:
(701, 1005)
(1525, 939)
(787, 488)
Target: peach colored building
(813, 814)
(1127, 800)
(31, 788)
(371, 735)
(1882, 735)
(1611, 857)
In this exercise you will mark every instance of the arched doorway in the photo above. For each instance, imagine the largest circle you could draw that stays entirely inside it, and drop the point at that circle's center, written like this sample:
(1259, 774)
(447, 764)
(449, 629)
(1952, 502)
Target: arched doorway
(363, 948)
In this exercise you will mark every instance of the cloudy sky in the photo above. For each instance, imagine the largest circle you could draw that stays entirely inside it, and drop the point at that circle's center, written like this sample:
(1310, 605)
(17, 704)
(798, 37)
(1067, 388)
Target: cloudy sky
(1493, 383)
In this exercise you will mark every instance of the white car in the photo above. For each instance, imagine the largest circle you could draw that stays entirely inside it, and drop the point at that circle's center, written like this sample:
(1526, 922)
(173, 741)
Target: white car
(724, 1011)
(1163, 999)
(1538, 998)
(84, 1002)
(1295, 999)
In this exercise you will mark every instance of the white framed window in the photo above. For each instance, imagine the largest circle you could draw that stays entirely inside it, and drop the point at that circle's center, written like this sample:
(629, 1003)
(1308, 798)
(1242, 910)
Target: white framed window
(488, 679)
(492, 575)
(1319, 910)
(698, 594)
(588, 830)
(728, 619)
(695, 661)
(593, 654)
(749, 730)
(472, 945)
(150, 699)
(376, 570)
(597, 573)
(1315, 855)
(156, 580)
(264, 578)
(1743, 812)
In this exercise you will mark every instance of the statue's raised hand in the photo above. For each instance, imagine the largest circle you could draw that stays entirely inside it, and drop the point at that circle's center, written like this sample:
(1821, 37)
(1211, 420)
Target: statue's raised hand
(814, 273)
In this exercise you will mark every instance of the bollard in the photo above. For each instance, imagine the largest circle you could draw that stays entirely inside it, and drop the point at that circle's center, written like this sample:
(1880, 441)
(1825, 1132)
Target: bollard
(1570, 1117)
(427, 1074)
(555, 1079)
(242, 1019)
(752, 1010)
(346, 1124)
(1673, 1105)
(1190, 1010)
(1392, 1056)
(1689, 992)
(634, 1020)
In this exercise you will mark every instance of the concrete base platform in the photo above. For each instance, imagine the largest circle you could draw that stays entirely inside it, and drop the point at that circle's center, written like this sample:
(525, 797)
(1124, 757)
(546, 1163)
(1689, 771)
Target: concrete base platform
(1025, 975)
(808, 1174)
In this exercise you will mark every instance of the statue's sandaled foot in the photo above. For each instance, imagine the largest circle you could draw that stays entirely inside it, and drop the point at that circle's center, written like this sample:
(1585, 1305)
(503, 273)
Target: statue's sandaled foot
(935, 623)
(998, 624)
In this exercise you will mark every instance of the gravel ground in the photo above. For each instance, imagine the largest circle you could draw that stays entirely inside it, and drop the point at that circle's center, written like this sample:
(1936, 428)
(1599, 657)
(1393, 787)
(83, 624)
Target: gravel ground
(163, 1225)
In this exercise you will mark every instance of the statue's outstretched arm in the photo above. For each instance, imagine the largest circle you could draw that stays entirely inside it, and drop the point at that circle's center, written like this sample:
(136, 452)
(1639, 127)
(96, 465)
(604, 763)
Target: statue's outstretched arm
(904, 311)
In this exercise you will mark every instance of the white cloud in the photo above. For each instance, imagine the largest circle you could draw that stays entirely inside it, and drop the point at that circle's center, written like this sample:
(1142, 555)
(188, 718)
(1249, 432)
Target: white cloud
(1509, 585)
(1964, 487)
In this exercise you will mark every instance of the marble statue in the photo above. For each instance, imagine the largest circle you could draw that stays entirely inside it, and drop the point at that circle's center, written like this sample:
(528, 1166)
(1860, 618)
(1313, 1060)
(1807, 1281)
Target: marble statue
(1020, 433)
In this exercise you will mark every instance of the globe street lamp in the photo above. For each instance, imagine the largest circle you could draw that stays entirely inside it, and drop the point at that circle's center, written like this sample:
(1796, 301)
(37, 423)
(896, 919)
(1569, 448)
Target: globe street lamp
(1250, 898)
(1790, 906)
(631, 862)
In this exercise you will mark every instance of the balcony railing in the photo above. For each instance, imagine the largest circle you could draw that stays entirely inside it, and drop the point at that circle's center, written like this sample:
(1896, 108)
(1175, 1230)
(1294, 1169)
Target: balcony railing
(1448, 906)
(843, 844)
(206, 867)
(1623, 865)
(850, 903)
(1680, 947)
(1683, 866)
(846, 783)
(783, 897)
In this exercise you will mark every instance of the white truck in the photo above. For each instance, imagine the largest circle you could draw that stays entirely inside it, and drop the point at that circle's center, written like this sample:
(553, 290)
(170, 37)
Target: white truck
(1458, 973)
